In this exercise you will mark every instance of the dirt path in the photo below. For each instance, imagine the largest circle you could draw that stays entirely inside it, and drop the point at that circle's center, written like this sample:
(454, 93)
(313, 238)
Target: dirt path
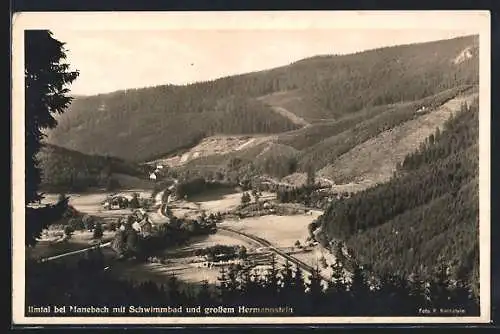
(83, 250)
(291, 116)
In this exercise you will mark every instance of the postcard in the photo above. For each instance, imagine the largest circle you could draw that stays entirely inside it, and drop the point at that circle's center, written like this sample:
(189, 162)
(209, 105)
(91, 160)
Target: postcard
(293, 167)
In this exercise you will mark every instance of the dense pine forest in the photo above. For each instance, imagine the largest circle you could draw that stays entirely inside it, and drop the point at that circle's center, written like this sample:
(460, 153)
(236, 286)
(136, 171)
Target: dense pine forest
(67, 170)
(280, 286)
(427, 215)
(151, 122)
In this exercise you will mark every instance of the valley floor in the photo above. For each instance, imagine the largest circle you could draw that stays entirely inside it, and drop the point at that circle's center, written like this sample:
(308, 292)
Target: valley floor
(280, 231)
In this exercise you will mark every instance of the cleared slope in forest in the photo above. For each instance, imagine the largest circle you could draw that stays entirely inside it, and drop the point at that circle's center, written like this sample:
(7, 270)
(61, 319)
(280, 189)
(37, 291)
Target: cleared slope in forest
(374, 161)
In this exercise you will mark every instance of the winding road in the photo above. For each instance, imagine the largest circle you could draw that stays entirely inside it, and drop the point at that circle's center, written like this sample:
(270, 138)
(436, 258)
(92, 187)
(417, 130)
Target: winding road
(302, 265)
(159, 216)
(83, 250)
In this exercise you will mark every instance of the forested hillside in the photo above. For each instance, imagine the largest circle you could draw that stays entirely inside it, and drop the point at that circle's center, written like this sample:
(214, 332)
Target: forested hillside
(151, 122)
(427, 215)
(314, 147)
(384, 118)
(67, 170)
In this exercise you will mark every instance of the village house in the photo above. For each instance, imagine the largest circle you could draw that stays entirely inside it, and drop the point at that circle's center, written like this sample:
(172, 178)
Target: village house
(152, 176)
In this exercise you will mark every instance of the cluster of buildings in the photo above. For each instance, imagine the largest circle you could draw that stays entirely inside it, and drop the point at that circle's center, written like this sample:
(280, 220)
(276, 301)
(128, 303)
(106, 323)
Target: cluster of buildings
(140, 222)
(115, 202)
(154, 175)
(218, 260)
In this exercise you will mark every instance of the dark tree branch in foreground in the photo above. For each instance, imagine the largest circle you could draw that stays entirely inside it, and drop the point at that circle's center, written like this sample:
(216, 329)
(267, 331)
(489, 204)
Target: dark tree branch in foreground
(90, 284)
(46, 80)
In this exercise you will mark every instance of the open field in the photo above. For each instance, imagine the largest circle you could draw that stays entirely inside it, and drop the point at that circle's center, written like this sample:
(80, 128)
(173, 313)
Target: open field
(89, 203)
(217, 200)
(182, 262)
(282, 231)
(133, 182)
(51, 246)
(224, 202)
(213, 201)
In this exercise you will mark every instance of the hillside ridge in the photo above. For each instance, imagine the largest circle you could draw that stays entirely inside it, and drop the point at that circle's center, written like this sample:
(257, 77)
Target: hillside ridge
(153, 122)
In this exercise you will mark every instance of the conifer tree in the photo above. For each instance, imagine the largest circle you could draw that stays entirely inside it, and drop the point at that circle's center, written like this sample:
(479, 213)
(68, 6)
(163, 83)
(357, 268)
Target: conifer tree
(174, 290)
(315, 291)
(98, 231)
(286, 276)
(222, 285)
(46, 78)
(359, 291)
(204, 296)
(232, 285)
(337, 283)
(439, 289)
(272, 279)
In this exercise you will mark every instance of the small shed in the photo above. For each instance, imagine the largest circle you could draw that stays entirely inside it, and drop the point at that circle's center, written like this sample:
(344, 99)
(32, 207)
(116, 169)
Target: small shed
(152, 176)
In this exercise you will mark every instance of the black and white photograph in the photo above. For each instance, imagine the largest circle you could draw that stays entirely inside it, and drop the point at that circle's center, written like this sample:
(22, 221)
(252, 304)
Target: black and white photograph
(320, 167)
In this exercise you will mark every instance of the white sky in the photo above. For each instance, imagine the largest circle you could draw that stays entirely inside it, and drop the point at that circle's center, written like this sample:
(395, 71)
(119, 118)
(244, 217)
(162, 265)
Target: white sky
(129, 50)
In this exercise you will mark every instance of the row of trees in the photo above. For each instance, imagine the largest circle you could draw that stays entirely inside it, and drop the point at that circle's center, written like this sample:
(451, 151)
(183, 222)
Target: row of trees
(287, 286)
(193, 185)
(129, 243)
(310, 195)
(97, 230)
(225, 250)
(255, 194)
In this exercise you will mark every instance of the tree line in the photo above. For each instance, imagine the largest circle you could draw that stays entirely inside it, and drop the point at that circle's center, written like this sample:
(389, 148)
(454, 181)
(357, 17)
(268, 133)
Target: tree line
(391, 295)
(130, 243)
(64, 170)
(328, 87)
